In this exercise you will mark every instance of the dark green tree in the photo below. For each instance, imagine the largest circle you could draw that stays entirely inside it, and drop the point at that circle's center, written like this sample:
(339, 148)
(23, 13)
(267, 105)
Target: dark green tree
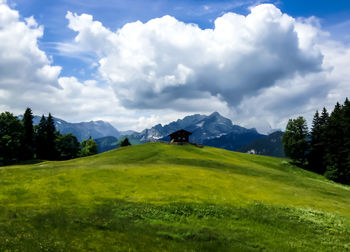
(88, 147)
(11, 134)
(27, 150)
(324, 117)
(316, 160)
(295, 144)
(346, 149)
(67, 146)
(125, 142)
(334, 146)
(41, 139)
(51, 135)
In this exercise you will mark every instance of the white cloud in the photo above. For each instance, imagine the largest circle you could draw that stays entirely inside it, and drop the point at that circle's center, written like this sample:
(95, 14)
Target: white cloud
(258, 69)
(28, 78)
(164, 62)
(22, 63)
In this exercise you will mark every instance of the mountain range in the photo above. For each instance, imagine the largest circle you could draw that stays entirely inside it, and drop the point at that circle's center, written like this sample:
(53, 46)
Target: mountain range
(83, 130)
(212, 130)
(202, 127)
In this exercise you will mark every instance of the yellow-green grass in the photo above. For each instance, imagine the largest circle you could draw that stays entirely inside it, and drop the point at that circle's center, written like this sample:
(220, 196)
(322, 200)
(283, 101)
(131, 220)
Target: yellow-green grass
(163, 197)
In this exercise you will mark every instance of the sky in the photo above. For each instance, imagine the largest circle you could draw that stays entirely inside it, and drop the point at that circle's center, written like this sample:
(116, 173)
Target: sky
(139, 63)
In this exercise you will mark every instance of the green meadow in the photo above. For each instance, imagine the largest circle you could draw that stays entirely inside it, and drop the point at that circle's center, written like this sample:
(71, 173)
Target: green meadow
(160, 197)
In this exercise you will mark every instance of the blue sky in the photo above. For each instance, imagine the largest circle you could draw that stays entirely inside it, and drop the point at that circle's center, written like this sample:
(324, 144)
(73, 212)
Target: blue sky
(334, 17)
(264, 62)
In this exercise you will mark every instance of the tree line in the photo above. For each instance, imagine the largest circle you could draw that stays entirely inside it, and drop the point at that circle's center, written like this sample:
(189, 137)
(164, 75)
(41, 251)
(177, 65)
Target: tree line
(20, 140)
(326, 148)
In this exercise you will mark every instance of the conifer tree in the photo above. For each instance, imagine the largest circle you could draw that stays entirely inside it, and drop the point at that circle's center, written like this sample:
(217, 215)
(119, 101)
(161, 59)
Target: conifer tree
(125, 142)
(334, 144)
(41, 139)
(27, 151)
(51, 136)
(316, 157)
(344, 171)
(346, 126)
(294, 140)
(324, 117)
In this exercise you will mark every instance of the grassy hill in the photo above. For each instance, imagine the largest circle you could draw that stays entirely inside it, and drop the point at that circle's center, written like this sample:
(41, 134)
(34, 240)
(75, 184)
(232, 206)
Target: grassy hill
(159, 197)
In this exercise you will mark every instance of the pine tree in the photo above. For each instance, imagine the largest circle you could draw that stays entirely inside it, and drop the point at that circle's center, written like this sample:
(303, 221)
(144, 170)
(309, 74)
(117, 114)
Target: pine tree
(315, 157)
(41, 139)
(295, 144)
(334, 144)
(345, 150)
(51, 136)
(317, 144)
(27, 151)
(324, 117)
(125, 142)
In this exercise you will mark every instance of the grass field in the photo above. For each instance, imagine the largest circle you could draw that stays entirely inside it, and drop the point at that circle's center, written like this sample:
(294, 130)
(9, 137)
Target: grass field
(159, 197)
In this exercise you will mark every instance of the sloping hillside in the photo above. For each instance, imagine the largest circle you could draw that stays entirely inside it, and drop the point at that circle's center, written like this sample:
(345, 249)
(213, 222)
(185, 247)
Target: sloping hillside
(159, 197)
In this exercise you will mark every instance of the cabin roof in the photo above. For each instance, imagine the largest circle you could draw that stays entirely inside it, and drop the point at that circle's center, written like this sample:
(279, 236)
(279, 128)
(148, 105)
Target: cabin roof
(181, 131)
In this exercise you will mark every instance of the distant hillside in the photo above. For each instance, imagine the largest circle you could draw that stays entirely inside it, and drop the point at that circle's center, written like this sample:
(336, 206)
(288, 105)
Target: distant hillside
(234, 140)
(131, 138)
(83, 130)
(268, 146)
(109, 143)
(106, 143)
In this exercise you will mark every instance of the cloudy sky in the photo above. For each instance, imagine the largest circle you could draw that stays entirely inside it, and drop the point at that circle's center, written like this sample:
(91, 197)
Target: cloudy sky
(138, 63)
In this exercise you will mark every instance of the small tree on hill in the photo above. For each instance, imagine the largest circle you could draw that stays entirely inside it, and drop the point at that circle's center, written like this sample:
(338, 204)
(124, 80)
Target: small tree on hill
(88, 147)
(125, 142)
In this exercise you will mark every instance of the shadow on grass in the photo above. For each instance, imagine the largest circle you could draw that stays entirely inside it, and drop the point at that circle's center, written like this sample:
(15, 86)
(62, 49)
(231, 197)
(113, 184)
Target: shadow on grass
(115, 224)
(25, 162)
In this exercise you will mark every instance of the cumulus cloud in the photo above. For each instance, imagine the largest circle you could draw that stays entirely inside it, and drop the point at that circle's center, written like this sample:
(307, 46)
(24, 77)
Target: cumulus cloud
(22, 63)
(28, 78)
(301, 95)
(164, 62)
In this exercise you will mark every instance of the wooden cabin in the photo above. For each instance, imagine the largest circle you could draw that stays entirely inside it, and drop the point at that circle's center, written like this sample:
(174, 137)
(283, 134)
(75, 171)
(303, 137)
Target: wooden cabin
(180, 136)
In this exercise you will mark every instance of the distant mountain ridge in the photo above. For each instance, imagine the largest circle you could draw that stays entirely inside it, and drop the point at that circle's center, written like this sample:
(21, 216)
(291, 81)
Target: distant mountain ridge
(214, 130)
(217, 131)
(83, 130)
